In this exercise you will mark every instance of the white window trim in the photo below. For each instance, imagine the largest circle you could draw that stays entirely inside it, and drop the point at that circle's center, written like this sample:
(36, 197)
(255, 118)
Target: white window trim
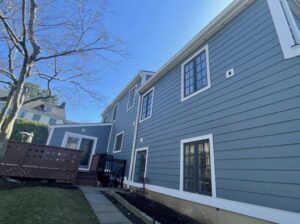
(80, 136)
(112, 116)
(212, 162)
(120, 133)
(289, 47)
(183, 98)
(138, 150)
(152, 100)
(252, 210)
(128, 108)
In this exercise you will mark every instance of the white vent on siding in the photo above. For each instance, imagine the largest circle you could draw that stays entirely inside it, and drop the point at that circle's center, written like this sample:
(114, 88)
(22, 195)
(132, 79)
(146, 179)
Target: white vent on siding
(230, 73)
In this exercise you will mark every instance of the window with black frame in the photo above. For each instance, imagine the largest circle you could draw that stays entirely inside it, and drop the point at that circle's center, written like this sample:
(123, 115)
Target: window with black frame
(147, 105)
(197, 167)
(114, 116)
(118, 142)
(195, 74)
(140, 166)
(131, 98)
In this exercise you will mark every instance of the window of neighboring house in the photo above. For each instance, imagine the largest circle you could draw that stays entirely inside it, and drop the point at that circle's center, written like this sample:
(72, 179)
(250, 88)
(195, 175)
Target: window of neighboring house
(195, 74)
(147, 105)
(52, 121)
(36, 117)
(114, 116)
(48, 108)
(286, 17)
(131, 98)
(140, 165)
(197, 167)
(22, 114)
(118, 142)
(9, 112)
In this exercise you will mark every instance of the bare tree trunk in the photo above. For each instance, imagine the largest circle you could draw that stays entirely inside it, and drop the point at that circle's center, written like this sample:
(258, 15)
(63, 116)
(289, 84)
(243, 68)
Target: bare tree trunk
(17, 102)
(5, 109)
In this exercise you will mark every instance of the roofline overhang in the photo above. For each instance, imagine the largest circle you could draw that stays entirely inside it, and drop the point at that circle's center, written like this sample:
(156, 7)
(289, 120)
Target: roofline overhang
(140, 75)
(214, 26)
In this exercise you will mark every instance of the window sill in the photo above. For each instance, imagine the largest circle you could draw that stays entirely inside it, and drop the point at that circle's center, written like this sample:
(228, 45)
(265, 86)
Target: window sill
(184, 98)
(145, 119)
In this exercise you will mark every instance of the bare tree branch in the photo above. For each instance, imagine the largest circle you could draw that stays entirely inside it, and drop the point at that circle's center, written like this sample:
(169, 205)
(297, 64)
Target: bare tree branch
(32, 18)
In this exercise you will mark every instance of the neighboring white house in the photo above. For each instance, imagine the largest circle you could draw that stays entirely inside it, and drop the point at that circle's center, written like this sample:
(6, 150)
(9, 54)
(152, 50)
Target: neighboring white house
(42, 111)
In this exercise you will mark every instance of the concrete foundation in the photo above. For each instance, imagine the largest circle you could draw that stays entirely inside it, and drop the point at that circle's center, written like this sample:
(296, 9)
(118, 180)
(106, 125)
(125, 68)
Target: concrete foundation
(202, 213)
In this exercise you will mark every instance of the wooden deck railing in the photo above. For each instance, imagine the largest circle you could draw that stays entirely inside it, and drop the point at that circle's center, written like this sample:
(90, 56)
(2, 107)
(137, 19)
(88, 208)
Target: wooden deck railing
(40, 161)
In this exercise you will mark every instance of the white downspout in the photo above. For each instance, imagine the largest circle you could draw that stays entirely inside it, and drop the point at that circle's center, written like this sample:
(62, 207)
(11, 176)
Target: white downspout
(134, 142)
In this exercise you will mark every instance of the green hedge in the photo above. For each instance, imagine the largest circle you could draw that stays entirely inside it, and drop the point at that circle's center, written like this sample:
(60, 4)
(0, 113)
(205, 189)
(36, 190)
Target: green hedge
(40, 131)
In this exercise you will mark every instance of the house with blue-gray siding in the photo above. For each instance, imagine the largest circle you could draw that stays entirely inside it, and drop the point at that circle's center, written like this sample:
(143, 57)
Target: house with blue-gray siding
(215, 132)
(91, 139)
(122, 113)
(222, 126)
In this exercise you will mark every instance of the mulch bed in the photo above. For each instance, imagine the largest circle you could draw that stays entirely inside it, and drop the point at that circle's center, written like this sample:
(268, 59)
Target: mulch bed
(160, 212)
(8, 184)
(124, 210)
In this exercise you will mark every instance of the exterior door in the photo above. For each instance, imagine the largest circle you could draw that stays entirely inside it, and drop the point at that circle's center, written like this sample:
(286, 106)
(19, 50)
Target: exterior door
(86, 144)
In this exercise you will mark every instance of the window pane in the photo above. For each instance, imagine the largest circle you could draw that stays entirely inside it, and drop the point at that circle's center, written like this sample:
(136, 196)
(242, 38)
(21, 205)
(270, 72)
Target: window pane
(195, 74)
(131, 98)
(140, 165)
(72, 143)
(118, 143)
(197, 175)
(36, 117)
(52, 121)
(147, 105)
(295, 8)
(86, 146)
(115, 113)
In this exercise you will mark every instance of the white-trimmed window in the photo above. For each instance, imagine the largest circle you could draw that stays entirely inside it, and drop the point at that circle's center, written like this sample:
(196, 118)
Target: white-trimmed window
(22, 114)
(118, 142)
(52, 121)
(131, 98)
(36, 117)
(147, 105)
(286, 17)
(114, 115)
(195, 74)
(197, 166)
(140, 165)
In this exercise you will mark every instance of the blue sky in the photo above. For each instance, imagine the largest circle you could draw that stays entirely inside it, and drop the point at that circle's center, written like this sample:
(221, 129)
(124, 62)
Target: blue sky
(154, 31)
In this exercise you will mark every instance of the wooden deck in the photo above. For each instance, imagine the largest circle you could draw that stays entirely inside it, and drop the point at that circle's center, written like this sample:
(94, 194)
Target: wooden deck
(40, 161)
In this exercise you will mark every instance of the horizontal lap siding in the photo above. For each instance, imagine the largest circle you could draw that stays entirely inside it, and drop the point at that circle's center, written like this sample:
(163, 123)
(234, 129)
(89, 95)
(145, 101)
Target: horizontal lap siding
(254, 116)
(125, 121)
(100, 132)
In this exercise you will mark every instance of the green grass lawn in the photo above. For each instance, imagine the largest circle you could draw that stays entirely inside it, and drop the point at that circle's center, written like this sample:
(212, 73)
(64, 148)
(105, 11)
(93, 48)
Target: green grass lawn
(45, 205)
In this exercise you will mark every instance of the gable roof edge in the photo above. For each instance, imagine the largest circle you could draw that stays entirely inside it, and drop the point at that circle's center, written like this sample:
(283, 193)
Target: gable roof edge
(214, 26)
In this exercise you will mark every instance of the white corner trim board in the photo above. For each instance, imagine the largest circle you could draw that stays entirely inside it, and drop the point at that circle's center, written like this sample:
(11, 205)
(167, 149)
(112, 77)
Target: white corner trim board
(256, 211)
(51, 130)
(289, 47)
